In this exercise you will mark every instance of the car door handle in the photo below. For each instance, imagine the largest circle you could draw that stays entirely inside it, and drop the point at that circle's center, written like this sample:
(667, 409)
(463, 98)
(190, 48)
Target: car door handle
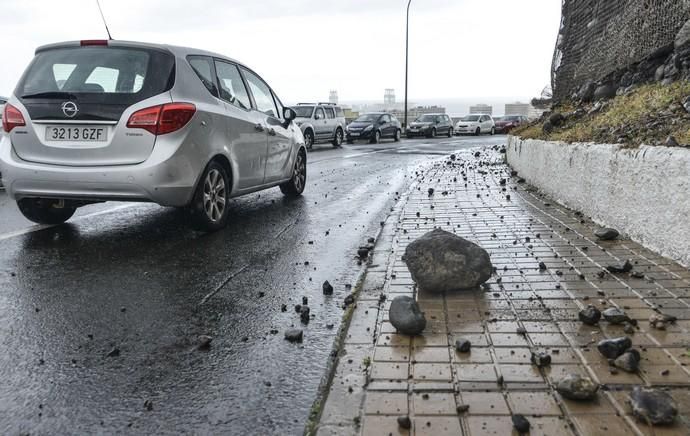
(272, 132)
(259, 128)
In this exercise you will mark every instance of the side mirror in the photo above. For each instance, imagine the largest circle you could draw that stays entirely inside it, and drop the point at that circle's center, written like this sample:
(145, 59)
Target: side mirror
(289, 114)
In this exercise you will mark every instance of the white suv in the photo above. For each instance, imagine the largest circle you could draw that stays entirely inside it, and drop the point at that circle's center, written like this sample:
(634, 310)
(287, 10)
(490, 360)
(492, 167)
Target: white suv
(475, 124)
(321, 122)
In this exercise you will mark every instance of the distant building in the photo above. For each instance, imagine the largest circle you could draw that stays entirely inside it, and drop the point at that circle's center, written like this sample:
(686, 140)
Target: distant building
(389, 97)
(524, 109)
(333, 97)
(350, 115)
(484, 109)
(415, 112)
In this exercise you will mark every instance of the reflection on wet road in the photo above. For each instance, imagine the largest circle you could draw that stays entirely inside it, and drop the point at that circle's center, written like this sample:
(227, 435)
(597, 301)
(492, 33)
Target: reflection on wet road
(100, 318)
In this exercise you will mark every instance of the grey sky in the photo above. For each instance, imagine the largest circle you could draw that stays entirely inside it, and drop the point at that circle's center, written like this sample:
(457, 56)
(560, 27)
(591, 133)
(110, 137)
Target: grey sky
(304, 48)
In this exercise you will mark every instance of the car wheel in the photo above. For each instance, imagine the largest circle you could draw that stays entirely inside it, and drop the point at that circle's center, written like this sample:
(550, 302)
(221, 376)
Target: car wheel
(376, 138)
(209, 208)
(433, 133)
(493, 131)
(478, 131)
(450, 132)
(295, 186)
(397, 135)
(45, 211)
(308, 139)
(338, 139)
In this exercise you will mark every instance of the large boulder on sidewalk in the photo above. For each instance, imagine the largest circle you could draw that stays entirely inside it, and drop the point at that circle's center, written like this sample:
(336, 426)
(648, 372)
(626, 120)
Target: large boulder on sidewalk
(406, 316)
(440, 261)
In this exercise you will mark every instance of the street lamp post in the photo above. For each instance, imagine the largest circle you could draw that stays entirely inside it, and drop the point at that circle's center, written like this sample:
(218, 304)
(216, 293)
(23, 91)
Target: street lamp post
(407, 50)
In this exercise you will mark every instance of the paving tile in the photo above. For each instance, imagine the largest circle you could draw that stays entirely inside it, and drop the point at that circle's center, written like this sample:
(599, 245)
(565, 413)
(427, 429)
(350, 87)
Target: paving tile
(389, 371)
(382, 425)
(533, 403)
(433, 403)
(385, 403)
(437, 426)
(484, 403)
(432, 371)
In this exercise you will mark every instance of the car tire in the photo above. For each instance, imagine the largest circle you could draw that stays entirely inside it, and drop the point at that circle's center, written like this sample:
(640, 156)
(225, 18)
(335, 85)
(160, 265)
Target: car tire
(308, 139)
(432, 134)
(397, 136)
(450, 132)
(493, 131)
(295, 186)
(376, 138)
(209, 208)
(338, 138)
(45, 211)
(478, 131)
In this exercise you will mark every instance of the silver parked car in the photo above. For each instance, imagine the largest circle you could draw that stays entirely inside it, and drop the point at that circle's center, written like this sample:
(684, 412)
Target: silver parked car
(92, 121)
(321, 122)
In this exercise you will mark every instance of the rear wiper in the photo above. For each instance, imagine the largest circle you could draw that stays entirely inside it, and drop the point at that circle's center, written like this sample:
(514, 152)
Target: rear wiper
(51, 94)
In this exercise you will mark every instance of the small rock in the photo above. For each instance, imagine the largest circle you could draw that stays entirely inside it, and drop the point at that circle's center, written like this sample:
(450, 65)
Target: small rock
(363, 253)
(148, 405)
(521, 424)
(406, 316)
(350, 299)
(653, 405)
(463, 345)
(542, 266)
(431, 191)
(541, 359)
(327, 288)
(607, 234)
(305, 314)
(521, 331)
(620, 268)
(612, 348)
(659, 320)
(590, 315)
(628, 361)
(462, 408)
(404, 422)
(637, 274)
(614, 315)
(671, 141)
(114, 352)
(628, 328)
(204, 342)
(576, 387)
(294, 335)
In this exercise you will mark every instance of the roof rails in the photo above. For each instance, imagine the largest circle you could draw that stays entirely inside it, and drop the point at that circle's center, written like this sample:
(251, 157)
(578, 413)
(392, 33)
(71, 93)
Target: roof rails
(315, 104)
(328, 104)
(302, 104)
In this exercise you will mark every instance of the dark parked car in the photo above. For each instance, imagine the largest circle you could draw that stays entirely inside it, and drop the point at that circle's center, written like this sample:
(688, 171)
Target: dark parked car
(509, 122)
(430, 125)
(373, 127)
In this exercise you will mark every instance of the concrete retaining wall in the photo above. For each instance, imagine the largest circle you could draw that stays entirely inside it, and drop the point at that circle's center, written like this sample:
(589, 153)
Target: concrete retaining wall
(642, 192)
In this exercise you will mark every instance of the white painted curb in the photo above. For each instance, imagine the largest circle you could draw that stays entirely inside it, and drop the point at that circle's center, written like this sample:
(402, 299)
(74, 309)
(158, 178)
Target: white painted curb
(642, 192)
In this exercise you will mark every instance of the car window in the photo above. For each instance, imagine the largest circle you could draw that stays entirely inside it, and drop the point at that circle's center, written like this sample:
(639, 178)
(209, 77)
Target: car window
(203, 67)
(319, 114)
(330, 113)
(386, 118)
(262, 94)
(232, 87)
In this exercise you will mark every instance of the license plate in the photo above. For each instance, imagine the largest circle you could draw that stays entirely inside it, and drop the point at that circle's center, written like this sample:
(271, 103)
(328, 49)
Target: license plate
(76, 133)
(354, 134)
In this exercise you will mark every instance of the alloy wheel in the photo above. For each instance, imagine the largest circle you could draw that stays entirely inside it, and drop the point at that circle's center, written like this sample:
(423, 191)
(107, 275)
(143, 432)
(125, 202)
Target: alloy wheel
(300, 176)
(214, 195)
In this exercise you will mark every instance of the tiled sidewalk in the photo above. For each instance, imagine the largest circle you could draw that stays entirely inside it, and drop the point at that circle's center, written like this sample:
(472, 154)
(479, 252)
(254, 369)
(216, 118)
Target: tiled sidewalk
(382, 375)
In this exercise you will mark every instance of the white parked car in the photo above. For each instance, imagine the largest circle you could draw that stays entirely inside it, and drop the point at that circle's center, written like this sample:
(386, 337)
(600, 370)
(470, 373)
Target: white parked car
(475, 124)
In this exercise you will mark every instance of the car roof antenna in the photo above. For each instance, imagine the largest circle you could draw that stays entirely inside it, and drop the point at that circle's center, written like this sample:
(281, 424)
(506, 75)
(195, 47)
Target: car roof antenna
(104, 22)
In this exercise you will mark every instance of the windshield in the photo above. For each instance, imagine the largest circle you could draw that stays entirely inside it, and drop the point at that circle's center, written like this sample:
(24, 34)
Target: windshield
(426, 119)
(367, 118)
(303, 111)
(471, 118)
(510, 119)
(88, 73)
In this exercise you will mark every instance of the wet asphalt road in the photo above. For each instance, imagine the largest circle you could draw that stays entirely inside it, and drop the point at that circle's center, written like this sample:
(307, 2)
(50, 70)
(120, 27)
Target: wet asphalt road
(134, 278)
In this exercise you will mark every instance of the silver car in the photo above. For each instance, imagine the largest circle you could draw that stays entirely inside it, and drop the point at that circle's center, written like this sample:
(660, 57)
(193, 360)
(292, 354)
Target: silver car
(92, 121)
(321, 122)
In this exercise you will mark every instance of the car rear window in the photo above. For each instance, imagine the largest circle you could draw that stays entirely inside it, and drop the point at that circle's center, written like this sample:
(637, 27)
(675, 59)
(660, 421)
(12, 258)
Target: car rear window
(113, 74)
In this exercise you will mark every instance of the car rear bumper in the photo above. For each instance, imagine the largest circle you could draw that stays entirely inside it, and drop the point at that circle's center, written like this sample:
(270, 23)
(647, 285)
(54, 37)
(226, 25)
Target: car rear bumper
(168, 182)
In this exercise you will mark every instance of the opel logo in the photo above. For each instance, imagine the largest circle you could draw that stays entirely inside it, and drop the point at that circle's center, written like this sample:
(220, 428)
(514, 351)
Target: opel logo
(70, 109)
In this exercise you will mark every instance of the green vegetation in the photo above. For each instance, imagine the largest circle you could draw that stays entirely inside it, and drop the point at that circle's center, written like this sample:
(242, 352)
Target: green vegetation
(647, 115)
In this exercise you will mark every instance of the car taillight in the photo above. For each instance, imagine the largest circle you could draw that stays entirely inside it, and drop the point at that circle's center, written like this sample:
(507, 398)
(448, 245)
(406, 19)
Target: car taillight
(166, 118)
(12, 118)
